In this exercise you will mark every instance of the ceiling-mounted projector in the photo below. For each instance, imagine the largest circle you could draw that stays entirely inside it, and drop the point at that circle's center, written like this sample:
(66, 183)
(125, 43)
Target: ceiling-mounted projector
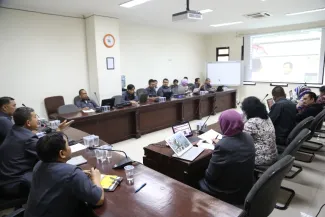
(188, 15)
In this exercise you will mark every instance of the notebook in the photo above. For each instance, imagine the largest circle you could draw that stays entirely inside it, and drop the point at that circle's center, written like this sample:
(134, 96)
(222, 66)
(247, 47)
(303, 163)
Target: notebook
(110, 182)
(79, 160)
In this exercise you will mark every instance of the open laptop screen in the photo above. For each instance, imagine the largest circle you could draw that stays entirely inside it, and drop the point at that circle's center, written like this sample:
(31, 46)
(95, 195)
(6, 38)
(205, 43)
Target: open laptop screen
(185, 128)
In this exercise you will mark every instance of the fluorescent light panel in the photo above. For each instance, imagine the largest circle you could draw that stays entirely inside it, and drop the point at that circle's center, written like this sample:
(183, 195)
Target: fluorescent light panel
(133, 3)
(306, 12)
(205, 11)
(226, 24)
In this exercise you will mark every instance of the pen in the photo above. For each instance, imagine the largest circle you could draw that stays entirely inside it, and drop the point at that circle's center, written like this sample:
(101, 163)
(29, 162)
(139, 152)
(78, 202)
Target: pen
(140, 187)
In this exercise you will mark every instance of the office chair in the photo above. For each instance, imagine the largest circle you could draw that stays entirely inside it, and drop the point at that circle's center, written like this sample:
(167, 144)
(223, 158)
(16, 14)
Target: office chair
(301, 155)
(118, 99)
(76, 99)
(65, 109)
(140, 92)
(52, 104)
(262, 198)
(291, 149)
(316, 124)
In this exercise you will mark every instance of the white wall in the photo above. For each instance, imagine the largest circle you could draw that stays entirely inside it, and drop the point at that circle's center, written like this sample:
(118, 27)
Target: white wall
(41, 56)
(149, 52)
(235, 41)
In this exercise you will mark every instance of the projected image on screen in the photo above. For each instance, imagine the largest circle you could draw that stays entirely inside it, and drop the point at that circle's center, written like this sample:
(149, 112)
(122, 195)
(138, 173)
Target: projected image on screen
(286, 57)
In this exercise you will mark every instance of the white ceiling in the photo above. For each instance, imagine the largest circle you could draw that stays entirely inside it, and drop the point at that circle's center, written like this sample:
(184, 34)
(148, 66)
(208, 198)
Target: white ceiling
(159, 12)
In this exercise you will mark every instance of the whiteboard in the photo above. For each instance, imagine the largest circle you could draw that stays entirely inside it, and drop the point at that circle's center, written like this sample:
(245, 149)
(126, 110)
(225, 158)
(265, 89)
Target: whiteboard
(225, 73)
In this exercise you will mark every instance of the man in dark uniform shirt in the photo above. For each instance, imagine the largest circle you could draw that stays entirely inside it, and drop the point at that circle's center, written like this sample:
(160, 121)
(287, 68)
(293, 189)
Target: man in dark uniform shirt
(129, 94)
(164, 89)
(151, 91)
(18, 154)
(59, 189)
(85, 103)
(207, 86)
(283, 115)
(311, 107)
(7, 109)
(197, 83)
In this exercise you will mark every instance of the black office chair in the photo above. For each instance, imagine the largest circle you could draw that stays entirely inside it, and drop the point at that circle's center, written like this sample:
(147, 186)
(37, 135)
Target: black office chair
(17, 213)
(301, 155)
(316, 124)
(140, 91)
(76, 99)
(262, 198)
(118, 99)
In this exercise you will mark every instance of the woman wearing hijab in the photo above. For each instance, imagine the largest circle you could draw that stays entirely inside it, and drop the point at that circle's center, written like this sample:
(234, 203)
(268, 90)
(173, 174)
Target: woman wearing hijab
(184, 84)
(300, 91)
(230, 174)
(261, 128)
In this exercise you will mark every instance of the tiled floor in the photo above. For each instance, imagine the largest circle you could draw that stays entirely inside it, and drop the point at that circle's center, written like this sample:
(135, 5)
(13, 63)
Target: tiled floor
(309, 185)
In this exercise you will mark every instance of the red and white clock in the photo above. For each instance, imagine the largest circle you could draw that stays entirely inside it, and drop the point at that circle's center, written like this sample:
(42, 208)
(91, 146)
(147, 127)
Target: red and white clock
(109, 40)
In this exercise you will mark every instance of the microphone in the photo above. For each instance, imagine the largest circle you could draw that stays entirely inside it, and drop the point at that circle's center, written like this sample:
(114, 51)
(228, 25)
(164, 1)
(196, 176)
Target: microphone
(35, 113)
(201, 131)
(97, 98)
(122, 163)
(265, 97)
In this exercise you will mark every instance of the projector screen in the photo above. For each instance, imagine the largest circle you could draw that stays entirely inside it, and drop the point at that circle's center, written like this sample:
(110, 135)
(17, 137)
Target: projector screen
(290, 57)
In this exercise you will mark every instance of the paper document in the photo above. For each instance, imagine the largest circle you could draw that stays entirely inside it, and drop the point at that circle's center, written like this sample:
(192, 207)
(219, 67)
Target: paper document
(77, 160)
(88, 111)
(210, 136)
(205, 145)
(77, 147)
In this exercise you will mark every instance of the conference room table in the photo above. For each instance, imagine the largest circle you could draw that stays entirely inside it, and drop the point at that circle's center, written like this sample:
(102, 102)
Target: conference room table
(162, 196)
(158, 157)
(133, 121)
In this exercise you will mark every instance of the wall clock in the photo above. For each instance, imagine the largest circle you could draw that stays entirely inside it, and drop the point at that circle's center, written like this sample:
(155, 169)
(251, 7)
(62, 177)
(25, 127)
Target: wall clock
(109, 40)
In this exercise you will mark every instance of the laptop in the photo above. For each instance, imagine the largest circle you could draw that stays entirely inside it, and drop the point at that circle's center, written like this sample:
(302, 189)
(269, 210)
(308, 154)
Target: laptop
(187, 131)
(108, 102)
(182, 147)
(270, 102)
(168, 95)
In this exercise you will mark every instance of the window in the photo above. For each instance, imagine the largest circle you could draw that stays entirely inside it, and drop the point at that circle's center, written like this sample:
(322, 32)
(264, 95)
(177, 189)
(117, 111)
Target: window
(222, 54)
(290, 57)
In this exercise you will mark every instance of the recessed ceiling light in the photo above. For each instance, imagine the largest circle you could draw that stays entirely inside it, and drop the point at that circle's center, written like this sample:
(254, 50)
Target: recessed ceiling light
(226, 24)
(133, 3)
(205, 11)
(306, 12)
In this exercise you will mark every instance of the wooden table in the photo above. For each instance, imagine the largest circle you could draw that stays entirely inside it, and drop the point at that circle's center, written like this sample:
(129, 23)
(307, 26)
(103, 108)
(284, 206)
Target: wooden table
(162, 196)
(134, 121)
(159, 157)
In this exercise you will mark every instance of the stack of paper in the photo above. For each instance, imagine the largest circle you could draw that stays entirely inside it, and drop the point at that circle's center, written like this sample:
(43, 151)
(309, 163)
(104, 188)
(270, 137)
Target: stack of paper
(88, 111)
(77, 160)
(210, 136)
(77, 147)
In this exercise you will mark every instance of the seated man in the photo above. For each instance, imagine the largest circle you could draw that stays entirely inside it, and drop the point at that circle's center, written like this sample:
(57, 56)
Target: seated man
(7, 109)
(18, 154)
(151, 91)
(197, 83)
(129, 94)
(85, 103)
(283, 115)
(58, 188)
(165, 88)
(311, 107)
(207, 86)
(174, 86)
(321, 97)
